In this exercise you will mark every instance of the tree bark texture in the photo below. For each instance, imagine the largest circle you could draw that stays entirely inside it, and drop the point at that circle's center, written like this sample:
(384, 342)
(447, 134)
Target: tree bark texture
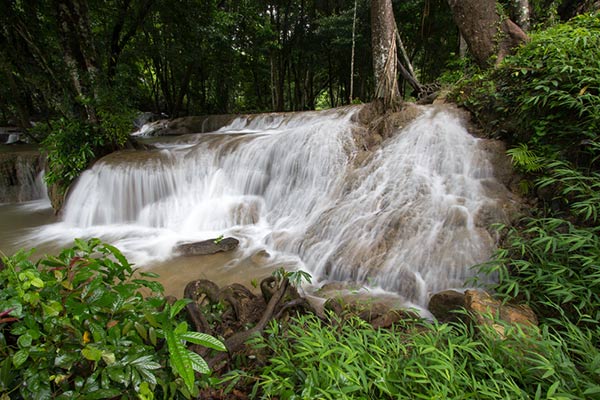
(485, 31)
(385, 60)
(520, 13)
(79, 51)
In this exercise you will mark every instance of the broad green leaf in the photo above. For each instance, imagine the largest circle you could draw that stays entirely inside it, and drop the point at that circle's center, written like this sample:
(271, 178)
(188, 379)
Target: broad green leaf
(141, 330)
(145, 362)
(150, 274)
(203, 339)
(20, 357)
(108, 357)
(180, 359)
(118, 255)
(178, 306)
(25, 340)
(91, 353)
(198, 363)
(52, 308)
(117, 374)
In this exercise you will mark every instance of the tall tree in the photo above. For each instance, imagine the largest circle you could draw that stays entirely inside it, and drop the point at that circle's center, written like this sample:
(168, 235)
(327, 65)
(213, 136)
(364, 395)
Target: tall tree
(385, 61)
(519, 12)
(487, 33)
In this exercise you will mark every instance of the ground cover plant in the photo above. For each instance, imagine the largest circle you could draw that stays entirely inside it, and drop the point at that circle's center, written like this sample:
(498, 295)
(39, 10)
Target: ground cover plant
(350, 360)
(78, 326)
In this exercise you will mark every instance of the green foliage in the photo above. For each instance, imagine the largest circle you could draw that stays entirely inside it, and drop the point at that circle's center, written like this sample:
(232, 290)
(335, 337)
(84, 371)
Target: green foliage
(353, 361)
(72, 144)
(70, 147)
(78, 326)
(555, 266)
(294, 277)
(219, 239)
(547, 94)
(578, 190)
(546, 100)
(525, 159)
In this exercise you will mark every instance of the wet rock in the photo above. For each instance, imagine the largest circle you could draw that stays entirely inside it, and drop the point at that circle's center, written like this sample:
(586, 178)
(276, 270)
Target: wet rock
(380, 314)
(445, 304)
(246, 213)
(186, 125)
(146, 117)
(367, 310)
(393, 317)
(501, 162)
(344, 299)
(18, 171)
(407, 283)
(57, 197)
(457, 217)
(206, 247)
(409, 113)
(260, 257)
(482, 307)
(336, 289)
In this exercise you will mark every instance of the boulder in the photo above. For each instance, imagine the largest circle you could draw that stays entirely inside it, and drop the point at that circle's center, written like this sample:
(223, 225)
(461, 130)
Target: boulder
(206, 247)
(19, 168)
(380, 311)
(392, 317)
(483, 307)
(445, 304)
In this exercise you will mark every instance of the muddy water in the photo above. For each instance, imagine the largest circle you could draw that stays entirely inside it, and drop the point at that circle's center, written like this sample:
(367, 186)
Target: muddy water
(19, 221)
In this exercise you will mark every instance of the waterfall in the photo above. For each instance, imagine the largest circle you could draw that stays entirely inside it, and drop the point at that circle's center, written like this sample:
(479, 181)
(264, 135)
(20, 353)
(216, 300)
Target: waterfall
(411, 218)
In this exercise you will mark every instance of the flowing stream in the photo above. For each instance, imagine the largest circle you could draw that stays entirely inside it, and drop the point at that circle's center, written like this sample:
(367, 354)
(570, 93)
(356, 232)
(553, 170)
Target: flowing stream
(411, 218)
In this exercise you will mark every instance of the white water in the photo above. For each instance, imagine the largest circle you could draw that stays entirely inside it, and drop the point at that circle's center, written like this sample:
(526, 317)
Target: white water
(404, 221)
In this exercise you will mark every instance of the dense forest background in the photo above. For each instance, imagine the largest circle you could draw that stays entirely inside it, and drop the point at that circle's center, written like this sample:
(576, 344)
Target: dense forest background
(77, 58)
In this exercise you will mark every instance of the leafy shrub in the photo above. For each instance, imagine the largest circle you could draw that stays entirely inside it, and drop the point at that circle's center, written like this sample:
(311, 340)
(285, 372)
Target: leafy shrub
(72, 144)
(554, 81)
(78, 326)
(548, 93)
(353, 361)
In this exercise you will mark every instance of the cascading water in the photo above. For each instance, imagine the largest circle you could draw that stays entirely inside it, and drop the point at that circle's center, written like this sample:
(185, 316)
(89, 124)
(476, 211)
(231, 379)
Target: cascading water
(408, 219)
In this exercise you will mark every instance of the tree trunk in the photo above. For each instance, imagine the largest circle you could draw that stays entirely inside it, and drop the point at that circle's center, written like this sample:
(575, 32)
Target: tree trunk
(352, 56)
(408, 72)
(79, 52)
(520, 13)
(119, 39)
(486, 33)
(385, 61)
